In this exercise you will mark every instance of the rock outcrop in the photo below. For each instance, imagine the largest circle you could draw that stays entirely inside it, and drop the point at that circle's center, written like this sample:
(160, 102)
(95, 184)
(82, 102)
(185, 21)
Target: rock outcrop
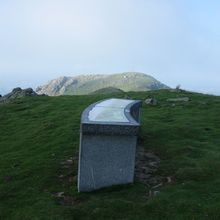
(18, 93)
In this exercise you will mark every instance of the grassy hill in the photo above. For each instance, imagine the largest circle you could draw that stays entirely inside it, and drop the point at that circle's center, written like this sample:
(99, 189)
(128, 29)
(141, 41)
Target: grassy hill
(108, 90)
(86, 84)
(39, 136)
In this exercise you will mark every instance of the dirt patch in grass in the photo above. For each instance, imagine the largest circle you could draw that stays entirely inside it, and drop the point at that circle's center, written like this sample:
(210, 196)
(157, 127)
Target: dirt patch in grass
(146, 167)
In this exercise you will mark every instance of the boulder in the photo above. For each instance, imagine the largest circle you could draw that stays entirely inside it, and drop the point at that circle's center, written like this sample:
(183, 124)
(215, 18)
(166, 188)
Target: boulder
(15, 90)
(150, 101)
(29, 92)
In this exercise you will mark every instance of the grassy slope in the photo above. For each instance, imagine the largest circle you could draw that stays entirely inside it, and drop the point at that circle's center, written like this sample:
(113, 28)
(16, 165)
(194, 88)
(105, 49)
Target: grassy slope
(37, 134)
(108, 90)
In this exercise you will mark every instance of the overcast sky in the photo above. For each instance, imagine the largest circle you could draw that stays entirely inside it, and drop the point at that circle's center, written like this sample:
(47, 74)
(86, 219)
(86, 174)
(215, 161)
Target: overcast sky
(175, 41)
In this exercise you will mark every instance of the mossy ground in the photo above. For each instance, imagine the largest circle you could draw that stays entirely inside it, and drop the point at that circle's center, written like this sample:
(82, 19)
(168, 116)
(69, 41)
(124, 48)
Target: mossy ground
(37, 134)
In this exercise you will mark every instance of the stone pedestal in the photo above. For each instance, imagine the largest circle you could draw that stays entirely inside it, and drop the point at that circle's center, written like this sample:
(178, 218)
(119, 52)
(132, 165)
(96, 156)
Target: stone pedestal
(108, 140)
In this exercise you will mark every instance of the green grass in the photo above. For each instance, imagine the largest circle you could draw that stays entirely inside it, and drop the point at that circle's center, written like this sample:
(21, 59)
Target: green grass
(108, 90)
(38, 134)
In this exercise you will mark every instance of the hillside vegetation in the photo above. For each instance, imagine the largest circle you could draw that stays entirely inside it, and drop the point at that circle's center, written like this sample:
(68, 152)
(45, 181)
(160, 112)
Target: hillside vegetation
(108, 90)
(40, 135)
(86, 84)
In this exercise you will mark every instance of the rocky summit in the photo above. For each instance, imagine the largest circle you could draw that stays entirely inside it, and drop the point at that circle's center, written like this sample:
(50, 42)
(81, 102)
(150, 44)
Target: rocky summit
(87, 84)
(18, 93)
